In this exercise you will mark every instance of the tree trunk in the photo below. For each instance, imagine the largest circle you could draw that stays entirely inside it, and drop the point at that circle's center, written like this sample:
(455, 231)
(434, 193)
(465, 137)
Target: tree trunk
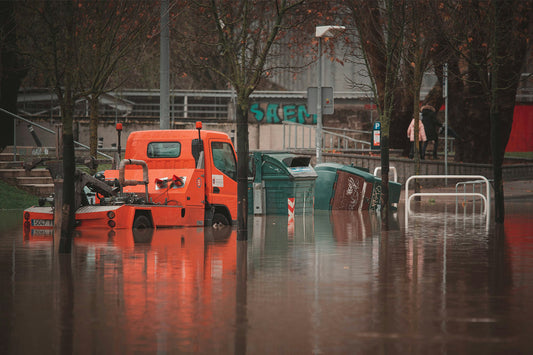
(401, 117)
(385, 165)
(497, 161)
(93, 125)
(69, 168)
(456, 111)
(93, 128)
(10, 72)
(242, 169)
(416, 156)
(69, 165)
(477, 130)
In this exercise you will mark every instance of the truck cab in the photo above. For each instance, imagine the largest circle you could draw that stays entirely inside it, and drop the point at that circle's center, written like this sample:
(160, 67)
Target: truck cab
(193, 169)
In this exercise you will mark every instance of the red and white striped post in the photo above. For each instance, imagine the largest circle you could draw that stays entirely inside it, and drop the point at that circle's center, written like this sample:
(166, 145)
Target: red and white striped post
(290, 223)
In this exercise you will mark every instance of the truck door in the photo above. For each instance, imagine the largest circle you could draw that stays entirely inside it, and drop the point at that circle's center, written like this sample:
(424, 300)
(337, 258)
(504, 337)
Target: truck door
(221, 175)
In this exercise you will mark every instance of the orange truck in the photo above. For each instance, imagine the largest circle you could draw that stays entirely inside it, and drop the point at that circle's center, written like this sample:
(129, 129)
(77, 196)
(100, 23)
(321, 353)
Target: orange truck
(169, 178)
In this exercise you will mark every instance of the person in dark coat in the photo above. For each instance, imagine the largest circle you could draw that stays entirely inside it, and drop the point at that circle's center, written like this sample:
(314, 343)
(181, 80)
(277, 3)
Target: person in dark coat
(431, 126)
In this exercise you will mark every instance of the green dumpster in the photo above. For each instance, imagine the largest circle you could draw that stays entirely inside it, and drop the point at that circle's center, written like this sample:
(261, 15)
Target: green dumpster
(344, 187)
(280, 181)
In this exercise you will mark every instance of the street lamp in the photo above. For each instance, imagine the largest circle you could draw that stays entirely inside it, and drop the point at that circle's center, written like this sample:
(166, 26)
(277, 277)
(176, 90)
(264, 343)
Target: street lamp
(321, 31)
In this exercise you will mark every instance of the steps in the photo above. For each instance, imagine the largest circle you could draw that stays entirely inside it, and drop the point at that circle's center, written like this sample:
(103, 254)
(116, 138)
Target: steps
(37, 181)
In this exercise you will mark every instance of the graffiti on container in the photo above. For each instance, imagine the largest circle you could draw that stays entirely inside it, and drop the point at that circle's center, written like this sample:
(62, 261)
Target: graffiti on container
(376, 197)
(352, 192)
(277, 113)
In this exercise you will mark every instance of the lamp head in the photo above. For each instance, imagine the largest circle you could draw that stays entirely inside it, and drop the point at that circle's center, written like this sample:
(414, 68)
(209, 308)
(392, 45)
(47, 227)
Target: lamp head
(328, 31)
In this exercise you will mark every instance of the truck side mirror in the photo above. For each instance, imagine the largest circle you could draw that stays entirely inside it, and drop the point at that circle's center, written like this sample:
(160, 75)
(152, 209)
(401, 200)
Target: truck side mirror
(197, 148)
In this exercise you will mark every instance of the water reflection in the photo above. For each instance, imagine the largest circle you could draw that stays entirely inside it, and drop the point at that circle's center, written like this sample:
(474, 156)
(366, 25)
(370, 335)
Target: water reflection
(327, 283)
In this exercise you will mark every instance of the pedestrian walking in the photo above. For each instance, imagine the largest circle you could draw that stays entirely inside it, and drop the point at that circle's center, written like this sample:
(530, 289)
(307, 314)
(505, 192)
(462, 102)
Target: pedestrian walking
(421, 138)
(431, 127)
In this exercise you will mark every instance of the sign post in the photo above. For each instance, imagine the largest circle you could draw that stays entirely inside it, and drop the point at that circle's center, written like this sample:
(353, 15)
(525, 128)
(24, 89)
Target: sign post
(319, 102)
(327, 100)
(376, 136)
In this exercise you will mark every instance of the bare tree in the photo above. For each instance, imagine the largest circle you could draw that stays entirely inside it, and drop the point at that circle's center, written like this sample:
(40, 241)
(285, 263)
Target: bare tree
(491, 53)
(381, 34)
(417, 46)
(510, 37)
(243, 34)
(52, 47)
(108, 32)
(75, 46)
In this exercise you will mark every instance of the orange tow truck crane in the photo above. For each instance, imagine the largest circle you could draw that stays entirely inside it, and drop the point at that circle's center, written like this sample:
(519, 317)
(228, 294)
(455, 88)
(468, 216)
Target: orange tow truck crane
(168, 178)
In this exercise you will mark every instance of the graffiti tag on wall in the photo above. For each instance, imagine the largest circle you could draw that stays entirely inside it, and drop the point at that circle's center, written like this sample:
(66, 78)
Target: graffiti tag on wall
(277, 113)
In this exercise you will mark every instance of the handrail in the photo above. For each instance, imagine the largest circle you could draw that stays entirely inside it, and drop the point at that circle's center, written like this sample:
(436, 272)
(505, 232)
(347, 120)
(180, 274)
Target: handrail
(348, 130)
(346, 137)
(49, 131)
(326, 131)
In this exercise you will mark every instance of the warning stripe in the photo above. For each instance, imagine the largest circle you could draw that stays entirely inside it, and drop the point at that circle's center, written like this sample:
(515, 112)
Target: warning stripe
(290, 204)
(290, 222)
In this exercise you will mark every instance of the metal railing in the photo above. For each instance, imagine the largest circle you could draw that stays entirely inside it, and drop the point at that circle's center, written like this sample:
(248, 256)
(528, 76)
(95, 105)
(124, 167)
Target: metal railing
(295, 136)
(485, 197)
(343, 142)
(474, 183)
(47, 130)
(300, 136)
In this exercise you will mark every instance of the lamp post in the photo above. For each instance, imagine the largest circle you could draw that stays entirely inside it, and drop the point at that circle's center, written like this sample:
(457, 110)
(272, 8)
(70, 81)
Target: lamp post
(164, 85)
(320, 32)
(445, 94)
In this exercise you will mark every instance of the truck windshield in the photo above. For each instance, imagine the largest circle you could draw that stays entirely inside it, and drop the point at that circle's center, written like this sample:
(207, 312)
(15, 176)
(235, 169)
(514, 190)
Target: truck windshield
(163, 150)
(224, 159)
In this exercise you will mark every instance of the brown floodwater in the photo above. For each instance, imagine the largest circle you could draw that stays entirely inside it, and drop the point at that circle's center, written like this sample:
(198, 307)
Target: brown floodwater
(329, 283)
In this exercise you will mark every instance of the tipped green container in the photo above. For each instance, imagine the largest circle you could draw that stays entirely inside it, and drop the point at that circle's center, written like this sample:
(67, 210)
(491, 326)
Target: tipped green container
(344, 187)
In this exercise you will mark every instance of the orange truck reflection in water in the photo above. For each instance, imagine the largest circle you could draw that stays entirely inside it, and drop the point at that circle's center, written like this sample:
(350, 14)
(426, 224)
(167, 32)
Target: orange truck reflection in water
(167, 280)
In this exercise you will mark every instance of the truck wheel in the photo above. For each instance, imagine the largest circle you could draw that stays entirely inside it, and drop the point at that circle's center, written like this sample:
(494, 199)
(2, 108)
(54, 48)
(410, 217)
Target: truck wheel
(142, 229)
(141, 222)
(220, 220)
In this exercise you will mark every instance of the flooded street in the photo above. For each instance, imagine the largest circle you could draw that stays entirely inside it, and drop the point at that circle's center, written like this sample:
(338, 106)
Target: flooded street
(329, 283)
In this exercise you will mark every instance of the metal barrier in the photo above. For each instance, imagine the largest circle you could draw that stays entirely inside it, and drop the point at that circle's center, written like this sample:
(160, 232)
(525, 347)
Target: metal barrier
(295, 134)
(392, 168)
(485, 198)
(474, 183)
(44, 129)
(345, 140)
(300, 136)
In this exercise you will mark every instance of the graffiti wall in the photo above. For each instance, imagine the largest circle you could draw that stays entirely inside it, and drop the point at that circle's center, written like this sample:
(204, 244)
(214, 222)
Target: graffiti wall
(278, 112)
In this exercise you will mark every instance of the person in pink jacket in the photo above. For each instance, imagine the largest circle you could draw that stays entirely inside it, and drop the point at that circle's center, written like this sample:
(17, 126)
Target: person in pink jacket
(421, 138)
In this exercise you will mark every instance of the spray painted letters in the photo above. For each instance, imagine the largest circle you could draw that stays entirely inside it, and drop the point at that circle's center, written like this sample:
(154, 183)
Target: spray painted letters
(276, 113)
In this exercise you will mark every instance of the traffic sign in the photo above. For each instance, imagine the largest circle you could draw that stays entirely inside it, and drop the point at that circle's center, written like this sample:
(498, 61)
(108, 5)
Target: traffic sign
(327, 100)
(376, 136)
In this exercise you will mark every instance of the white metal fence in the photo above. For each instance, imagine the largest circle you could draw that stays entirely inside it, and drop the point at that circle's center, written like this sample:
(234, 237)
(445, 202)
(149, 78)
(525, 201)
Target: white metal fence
(474, 179)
